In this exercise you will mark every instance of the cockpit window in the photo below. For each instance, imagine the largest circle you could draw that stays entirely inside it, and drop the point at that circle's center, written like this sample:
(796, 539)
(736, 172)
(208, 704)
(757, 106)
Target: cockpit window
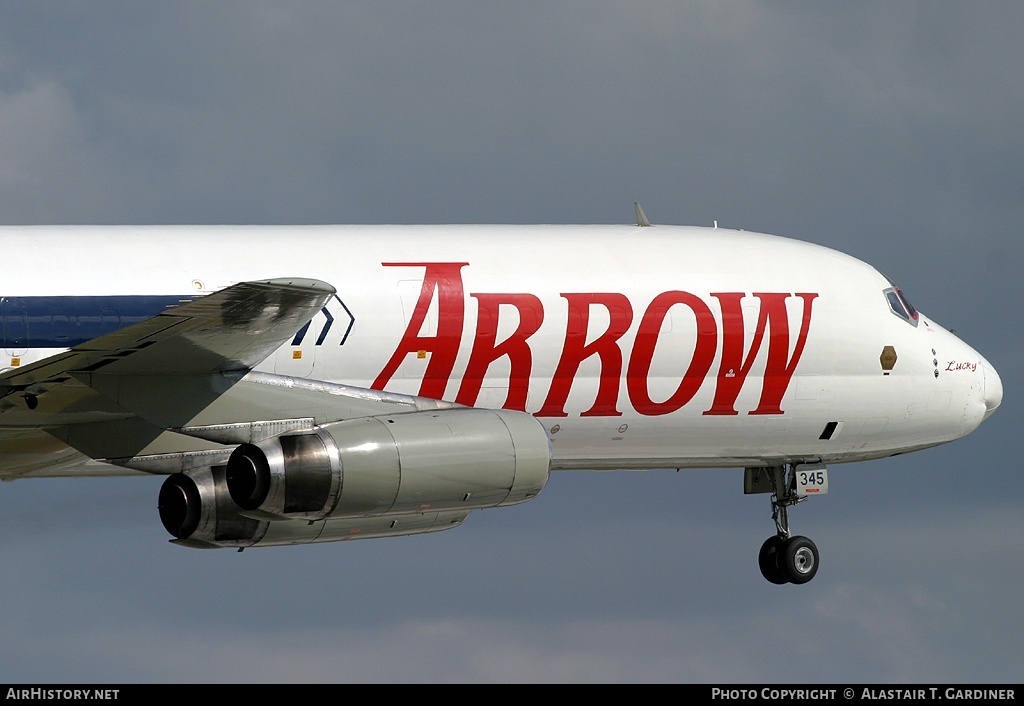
(900, 305)
(906, 302)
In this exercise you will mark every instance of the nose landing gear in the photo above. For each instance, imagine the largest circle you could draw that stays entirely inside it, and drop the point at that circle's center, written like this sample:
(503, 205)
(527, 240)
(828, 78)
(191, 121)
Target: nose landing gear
(785, 558)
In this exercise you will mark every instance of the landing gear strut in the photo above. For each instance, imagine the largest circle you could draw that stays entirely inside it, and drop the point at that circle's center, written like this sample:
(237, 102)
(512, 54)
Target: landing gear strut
(784, 558)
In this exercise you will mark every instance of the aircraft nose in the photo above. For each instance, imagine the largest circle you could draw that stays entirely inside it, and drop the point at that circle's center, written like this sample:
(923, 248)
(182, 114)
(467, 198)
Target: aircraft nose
(993, 388)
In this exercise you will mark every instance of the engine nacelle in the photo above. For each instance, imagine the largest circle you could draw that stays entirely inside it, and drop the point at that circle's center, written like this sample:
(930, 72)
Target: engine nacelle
(438, 460)
(197, 509)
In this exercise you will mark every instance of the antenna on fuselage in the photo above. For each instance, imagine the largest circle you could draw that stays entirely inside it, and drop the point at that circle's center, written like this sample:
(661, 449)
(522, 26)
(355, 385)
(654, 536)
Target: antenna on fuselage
(641, 217)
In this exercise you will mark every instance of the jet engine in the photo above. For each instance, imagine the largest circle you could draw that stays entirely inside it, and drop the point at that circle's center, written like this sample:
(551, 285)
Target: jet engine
(367, 477)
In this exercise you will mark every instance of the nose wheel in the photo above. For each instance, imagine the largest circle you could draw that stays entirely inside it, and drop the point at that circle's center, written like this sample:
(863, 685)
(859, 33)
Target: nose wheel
(785, 558)
(790, 560)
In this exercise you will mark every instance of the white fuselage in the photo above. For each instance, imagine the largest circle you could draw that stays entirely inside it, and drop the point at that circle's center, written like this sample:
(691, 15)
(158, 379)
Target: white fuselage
(636, 347)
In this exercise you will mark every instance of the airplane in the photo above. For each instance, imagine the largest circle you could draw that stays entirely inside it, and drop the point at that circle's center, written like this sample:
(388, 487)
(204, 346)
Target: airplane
(319, 383)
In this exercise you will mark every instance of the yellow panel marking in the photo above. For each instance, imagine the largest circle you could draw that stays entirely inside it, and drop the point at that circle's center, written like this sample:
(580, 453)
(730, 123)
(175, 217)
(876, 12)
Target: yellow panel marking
(888, 358)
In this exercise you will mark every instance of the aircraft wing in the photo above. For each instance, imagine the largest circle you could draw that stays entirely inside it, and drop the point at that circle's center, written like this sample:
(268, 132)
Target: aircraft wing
(115, 394)
(232, 329)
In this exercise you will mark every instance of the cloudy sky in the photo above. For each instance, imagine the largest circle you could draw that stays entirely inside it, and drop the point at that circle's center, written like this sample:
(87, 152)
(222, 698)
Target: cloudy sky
(891, 131)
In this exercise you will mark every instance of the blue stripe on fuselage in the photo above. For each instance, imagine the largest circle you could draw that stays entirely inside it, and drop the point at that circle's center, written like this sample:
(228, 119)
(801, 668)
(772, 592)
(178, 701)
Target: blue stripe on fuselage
(67, 321)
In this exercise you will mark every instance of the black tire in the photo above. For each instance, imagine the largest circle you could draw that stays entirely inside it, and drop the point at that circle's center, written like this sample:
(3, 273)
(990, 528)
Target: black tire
(768, 560)
(798, 559)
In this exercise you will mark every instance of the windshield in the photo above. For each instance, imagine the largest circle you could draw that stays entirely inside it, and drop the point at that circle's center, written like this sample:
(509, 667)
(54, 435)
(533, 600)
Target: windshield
(900, 305)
